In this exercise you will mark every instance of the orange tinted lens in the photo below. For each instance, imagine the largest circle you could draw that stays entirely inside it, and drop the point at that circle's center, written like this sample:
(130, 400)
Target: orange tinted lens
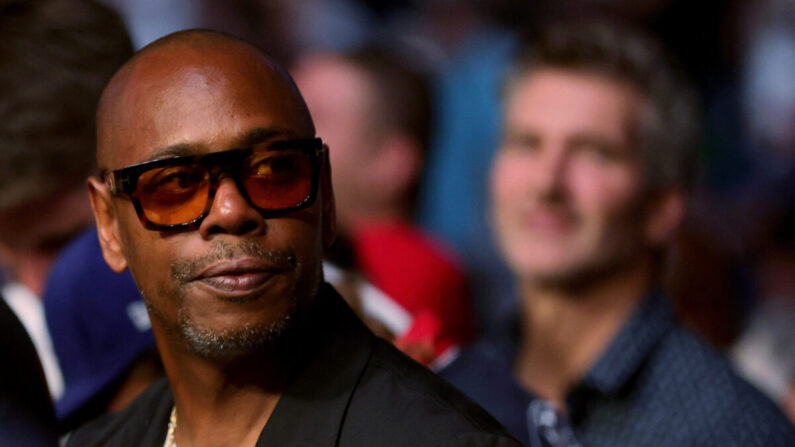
(175, 194)
(278, 179)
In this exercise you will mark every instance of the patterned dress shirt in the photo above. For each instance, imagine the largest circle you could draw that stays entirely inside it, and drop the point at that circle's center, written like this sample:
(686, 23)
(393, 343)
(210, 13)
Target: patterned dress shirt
(656, 384)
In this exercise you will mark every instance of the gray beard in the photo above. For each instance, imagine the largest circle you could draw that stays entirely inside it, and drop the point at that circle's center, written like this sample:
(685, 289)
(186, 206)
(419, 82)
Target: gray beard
(227, 343)
(209, 343)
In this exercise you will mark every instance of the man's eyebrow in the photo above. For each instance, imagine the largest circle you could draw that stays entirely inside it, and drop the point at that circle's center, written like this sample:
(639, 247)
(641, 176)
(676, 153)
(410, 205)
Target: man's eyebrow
(176, 150)
(263, 134)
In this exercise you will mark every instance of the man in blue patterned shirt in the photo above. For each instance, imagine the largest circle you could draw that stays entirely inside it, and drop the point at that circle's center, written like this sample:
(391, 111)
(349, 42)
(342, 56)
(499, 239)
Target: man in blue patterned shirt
(588, 189)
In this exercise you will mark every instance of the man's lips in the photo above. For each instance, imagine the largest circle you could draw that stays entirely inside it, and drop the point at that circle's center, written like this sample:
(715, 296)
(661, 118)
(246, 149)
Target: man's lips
(550, 221)
(238, 276)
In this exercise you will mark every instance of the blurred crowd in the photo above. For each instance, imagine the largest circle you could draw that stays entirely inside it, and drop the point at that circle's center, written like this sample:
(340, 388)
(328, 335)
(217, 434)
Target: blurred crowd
(406, 95)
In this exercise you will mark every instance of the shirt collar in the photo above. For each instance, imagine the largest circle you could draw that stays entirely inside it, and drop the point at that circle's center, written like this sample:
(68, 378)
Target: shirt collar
(632, 346)
(622, 359)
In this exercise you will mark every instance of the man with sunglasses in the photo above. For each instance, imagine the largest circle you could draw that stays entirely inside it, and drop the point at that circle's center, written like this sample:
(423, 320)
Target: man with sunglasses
(217, 197)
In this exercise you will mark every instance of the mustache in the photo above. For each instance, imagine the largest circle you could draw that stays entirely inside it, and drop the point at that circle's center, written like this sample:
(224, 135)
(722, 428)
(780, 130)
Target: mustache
(561, 208)
(186, 270)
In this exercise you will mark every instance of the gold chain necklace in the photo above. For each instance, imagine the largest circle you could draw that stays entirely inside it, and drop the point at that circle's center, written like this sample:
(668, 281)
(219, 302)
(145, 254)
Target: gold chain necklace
(172, 427)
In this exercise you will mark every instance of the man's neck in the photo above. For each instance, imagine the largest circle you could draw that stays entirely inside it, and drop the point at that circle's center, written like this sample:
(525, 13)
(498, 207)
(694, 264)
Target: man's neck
(376, 217)
(564, 331)
(226, 403)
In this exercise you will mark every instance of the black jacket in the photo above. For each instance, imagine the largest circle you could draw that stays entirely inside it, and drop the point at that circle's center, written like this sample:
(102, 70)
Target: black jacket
(355, 390)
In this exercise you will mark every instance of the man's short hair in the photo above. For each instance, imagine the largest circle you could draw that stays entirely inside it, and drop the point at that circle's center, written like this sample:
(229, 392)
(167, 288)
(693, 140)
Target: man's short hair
(668, 133)
(57, 56)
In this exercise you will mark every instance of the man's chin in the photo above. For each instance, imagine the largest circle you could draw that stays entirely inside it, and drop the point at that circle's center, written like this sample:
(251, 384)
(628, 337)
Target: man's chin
(212, 343)
(574, 277)
(548, 272)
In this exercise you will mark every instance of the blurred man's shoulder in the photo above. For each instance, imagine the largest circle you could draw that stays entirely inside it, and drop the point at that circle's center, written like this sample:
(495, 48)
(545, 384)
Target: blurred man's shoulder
(710, 391)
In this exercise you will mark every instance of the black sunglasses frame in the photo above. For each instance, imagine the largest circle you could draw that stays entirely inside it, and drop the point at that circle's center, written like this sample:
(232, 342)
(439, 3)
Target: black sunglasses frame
(124, 181)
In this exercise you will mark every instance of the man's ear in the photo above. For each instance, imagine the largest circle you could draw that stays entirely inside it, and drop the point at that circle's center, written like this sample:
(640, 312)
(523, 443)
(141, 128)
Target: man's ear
(329, 210)
(664, 217)
(107, 225)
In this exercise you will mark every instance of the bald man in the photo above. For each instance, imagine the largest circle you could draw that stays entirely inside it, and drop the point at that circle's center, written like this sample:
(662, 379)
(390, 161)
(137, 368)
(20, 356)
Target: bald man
(216, 194)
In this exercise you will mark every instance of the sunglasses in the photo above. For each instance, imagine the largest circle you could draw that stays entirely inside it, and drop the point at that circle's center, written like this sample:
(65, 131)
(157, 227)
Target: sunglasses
(177, 193)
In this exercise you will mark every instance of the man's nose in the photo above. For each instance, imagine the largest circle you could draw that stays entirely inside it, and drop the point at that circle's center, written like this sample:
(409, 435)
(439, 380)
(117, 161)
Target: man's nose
(550, 177)
(231, 213)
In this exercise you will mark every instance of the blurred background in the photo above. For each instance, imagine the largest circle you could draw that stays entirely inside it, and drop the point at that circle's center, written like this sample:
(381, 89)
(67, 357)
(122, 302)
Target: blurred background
(734, 269)
(732, 273)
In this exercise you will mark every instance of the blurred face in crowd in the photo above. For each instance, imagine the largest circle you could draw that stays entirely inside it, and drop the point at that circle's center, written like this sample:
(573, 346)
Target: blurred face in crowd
(566, 182)
(341, 99)
(232, 284)
(32, 234)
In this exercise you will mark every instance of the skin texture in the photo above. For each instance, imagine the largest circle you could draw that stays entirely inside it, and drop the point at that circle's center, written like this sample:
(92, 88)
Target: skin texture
(32, 234)
(567, 180)
(344, 117)
(574, 221)
(375, 162)
(202, 92)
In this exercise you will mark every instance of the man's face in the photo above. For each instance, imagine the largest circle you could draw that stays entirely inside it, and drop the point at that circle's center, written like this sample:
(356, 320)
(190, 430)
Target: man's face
(32, 234)
(566, 182)
(344, 118)
(232, 284)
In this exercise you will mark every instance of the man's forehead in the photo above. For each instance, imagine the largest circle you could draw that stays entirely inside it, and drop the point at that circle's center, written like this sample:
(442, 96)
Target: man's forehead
(169, 94)
(570, 98)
